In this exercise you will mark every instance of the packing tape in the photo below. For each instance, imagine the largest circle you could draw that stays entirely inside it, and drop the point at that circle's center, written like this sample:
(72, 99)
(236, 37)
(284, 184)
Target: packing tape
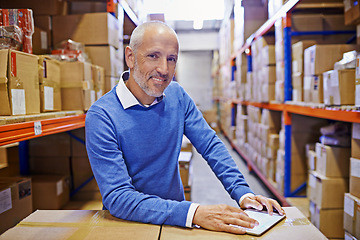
(48, 82)
(296, 221)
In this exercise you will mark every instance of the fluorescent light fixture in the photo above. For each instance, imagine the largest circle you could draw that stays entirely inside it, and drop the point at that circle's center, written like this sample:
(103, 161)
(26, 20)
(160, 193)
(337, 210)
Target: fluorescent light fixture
(198, 24)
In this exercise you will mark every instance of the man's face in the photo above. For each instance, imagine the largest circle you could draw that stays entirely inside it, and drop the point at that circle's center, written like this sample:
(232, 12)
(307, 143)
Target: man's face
(155, 62)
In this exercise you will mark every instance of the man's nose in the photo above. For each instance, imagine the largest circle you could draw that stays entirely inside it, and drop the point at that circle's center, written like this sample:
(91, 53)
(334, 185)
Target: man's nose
(162, 67)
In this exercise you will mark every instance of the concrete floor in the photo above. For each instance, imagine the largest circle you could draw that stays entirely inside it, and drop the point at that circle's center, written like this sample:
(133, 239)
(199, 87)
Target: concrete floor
(207, 189)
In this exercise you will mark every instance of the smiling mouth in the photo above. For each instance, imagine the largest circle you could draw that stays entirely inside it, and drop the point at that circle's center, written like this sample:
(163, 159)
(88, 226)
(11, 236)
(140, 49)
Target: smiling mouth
(158, 80)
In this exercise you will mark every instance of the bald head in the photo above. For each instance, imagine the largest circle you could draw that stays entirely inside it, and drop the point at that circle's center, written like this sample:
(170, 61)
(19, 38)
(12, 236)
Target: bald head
(154, 26)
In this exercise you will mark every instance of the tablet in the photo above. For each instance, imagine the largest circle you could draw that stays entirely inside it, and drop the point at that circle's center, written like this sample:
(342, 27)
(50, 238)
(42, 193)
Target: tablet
(265, 221)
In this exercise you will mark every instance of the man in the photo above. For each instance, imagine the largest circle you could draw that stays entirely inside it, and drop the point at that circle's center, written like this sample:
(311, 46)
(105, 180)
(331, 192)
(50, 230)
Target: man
(134, 135)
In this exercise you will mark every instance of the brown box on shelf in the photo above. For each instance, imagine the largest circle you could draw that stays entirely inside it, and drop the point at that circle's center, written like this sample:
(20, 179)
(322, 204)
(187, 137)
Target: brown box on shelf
(50, 191)
(351, 12)
(41, 38)
(99, 80)
(78, 148)
(50, 165)
(77, 86)
(16, 201)
(339, 87)
(52, 7)
(111, 82)
(4, 83)
(107, 57)
(88, 192)
(332, 161)
(298, 55)
(321, 58)
(355, 177)
(327, 192)
(81, 7)
(45, 147)
(311, 156)
(328, 221)
(297, 82)
(89, 28)
(352, 215)
(355, 141)
(19, 84)
(49, 79)
(185, 168)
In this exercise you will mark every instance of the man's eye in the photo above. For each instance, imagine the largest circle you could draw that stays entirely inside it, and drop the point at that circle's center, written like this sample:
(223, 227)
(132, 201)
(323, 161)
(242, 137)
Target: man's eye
(152, 55)
(172, 59)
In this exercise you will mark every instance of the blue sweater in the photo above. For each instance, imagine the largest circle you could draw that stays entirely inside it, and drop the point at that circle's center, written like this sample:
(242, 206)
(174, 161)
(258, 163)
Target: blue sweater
(134, 156)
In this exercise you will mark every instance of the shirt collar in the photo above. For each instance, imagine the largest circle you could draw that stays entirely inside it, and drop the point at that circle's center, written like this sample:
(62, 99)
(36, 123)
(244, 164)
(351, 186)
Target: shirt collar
(126, 97)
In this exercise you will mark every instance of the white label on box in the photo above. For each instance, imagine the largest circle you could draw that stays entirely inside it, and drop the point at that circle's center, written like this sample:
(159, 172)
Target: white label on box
(37, 128)
(312, 181)
(295, 66)
(355, 167)
(59, 188)
(307, 82)
(312, 208)
(349, 206)
(48, 98)
(334, 79)
(318, 148)
(357, 94)
(18, 101)
(312, 162)
(357, 69)
(356, 131)
(5, 200)
(43, 40)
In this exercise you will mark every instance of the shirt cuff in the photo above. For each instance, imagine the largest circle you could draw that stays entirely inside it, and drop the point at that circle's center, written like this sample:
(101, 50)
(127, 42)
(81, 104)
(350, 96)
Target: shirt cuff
(244, 196)
(190, 215)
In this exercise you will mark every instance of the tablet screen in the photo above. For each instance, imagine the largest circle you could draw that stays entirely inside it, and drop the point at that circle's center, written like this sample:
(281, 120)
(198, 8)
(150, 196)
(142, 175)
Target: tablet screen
(265, 221)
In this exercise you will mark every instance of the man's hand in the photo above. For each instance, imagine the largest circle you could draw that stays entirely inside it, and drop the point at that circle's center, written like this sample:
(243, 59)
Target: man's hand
(219, 218)
(258, 202)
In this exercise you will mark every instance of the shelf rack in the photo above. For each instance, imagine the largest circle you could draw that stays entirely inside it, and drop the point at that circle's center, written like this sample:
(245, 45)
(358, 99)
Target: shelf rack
(17, 132)
(286, 108)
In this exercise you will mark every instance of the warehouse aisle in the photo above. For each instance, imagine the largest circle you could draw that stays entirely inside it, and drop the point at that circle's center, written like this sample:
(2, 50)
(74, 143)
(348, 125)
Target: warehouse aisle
(207, 189)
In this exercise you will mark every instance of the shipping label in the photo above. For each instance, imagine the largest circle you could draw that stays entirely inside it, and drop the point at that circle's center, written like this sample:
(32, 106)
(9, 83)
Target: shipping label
(5, 200)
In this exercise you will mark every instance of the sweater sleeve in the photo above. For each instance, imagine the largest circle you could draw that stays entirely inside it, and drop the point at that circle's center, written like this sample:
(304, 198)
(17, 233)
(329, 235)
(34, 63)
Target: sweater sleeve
(119, 195)
(213, 150)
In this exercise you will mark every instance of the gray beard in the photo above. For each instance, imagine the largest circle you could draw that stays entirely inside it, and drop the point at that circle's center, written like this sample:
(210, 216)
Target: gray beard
(143, 85)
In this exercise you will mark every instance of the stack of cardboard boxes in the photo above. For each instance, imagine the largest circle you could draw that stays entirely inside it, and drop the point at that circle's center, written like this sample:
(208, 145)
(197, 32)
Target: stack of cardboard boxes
(185, 167)
(352, 199)
(327, 186)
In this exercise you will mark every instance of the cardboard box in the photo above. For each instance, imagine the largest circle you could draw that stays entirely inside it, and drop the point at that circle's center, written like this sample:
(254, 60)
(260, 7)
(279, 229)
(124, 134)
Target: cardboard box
(49, 79)
(20, 81)
(352, 215)
(4, 83)
(298, 55)
(96, 224)
(89, 192)
(339, 87)
(89, 28)
(268, 55)
(99, 80)
(86, 7)
(355, 177)
(332, 161)
(312, 160)
(16, 201)
(327, 193)
(50, 165)
(50, 191)
(54, 145)
(321, 58)
(81, 171)
(77, 86)
(111, 82)
(297, 83)
(355, 140)
(52, 7)
(41, 38)
(107, 57)
(352, 12)
(317, 91)
(328, 221)
(9, 160)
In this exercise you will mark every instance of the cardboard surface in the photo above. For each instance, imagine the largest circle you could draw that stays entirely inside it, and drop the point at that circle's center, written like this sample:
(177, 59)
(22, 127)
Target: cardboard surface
(295, 226)
(89, 28)
(355, 177)
(4, 81)
(79, 224)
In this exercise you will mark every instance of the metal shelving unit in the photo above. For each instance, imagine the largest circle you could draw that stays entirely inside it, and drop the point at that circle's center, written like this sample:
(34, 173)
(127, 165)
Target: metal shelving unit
(332, 114)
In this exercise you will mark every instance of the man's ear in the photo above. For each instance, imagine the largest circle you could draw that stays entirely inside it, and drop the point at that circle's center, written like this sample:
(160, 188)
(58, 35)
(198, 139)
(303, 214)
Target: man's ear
(129, 57)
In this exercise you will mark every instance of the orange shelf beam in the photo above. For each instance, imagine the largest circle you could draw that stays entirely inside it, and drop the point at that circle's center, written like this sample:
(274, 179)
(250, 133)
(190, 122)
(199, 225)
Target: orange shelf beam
(12, 133)
(338, 115)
